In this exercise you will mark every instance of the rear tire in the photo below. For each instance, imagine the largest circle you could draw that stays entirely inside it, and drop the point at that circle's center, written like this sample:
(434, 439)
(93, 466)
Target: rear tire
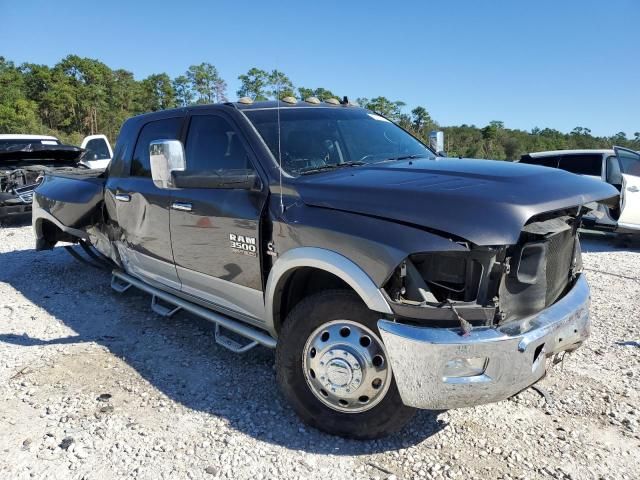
(370, 409)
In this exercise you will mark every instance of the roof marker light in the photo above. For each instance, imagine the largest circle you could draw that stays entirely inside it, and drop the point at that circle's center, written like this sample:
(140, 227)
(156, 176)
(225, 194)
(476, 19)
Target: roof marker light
(332, 101)
(290, 100)
(314, 100)
(245, 100)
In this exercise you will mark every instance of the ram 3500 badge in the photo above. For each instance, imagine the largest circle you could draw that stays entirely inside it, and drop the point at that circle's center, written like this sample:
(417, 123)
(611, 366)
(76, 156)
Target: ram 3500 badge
(386, 278)
(243, 245)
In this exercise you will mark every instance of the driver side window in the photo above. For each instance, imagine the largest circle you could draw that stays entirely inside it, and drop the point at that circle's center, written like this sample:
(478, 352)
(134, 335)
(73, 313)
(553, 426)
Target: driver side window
(214, 145)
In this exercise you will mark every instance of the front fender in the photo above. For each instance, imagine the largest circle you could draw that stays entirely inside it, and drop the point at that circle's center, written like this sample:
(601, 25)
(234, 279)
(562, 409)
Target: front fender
(375, 245)
(328, 261)
(362, 251)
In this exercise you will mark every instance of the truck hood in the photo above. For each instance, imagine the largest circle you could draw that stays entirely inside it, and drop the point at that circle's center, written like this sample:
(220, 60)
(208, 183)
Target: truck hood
(483, 201)
(34, 153)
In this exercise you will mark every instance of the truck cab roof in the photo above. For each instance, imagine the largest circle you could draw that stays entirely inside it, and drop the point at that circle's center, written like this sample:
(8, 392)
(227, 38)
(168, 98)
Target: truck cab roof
(239, 105)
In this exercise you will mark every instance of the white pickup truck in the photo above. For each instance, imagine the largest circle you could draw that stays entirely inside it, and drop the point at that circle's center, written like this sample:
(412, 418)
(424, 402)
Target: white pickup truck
(619, 167)
(98, 152)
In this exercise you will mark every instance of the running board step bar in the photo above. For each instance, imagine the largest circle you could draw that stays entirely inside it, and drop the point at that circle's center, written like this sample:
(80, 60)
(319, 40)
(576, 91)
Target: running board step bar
(121, 282)
(163, 310)
(230, 344)
(95, 259)
(118, 285)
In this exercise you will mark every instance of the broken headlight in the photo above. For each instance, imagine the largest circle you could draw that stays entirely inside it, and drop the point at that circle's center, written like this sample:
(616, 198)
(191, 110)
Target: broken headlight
(437, 277)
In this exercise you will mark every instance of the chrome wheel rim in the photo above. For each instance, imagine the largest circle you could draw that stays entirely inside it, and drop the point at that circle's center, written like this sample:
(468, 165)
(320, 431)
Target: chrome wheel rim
(345, 365)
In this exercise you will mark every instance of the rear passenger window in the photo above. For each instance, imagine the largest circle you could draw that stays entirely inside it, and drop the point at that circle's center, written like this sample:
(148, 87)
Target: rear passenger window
(168, 128)
(213, 144)
(582, 164)
(546, 161)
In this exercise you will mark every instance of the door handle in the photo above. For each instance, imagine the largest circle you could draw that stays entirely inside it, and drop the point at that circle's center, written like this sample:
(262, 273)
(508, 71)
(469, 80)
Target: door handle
(632, 189)
(123, 197)
(183, 207)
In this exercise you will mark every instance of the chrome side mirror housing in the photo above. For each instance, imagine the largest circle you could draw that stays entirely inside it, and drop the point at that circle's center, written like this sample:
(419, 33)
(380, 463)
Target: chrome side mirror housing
(165, 157)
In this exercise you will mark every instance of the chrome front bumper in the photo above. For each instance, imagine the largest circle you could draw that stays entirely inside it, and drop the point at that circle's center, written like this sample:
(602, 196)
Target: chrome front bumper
(515, 354)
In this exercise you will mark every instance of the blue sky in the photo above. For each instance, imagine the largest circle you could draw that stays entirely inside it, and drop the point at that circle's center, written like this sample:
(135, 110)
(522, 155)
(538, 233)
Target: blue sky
(557, 64)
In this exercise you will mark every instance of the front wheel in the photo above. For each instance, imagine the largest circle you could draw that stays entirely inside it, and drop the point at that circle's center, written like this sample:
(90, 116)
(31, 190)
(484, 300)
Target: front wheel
(333, 368)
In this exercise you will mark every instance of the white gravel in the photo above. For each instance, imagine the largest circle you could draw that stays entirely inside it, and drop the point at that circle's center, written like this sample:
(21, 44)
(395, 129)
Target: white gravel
(93, 385)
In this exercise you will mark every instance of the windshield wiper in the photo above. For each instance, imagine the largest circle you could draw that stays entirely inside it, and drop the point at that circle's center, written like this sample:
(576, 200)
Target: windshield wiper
(329, 166)
(408, 157)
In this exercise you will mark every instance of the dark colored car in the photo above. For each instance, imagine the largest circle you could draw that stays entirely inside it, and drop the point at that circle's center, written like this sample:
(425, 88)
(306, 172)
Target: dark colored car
(387, 278)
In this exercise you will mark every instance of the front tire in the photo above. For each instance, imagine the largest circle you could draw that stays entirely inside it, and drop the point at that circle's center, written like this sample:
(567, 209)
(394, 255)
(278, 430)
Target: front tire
(332, 367)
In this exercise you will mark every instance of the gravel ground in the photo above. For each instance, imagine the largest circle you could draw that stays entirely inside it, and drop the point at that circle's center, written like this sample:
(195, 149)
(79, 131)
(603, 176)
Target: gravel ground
(93, 385)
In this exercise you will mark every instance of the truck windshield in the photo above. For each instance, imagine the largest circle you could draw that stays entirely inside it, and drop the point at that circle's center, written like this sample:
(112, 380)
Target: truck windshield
(316, 139)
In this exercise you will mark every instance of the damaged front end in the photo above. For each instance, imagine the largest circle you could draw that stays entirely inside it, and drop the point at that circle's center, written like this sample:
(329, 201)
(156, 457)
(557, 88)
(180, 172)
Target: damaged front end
(487, 286)
(476, 326)
(22, 168)
(16, 189)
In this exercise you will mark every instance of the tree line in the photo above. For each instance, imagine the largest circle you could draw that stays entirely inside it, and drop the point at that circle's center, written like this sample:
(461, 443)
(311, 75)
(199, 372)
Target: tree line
(82, 96)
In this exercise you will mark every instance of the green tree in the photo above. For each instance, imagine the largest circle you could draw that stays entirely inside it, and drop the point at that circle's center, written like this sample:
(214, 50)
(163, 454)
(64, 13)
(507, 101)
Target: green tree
(254, 85)
(90, 79)
(420, 119)
(620, 137)
(184, 93)
(324, 94)
(383, 106)
(17, 113)
(279, 82)
(39, 80)
(404, 120)
(321, 93)
(78, 96)
(157, 92)
(206, 83)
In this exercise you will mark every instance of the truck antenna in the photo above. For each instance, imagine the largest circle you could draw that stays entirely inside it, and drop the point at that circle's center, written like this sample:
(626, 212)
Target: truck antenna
(279, 145)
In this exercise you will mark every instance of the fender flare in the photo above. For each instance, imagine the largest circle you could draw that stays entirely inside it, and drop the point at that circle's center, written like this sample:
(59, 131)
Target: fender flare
(39, 215)
(326, 260)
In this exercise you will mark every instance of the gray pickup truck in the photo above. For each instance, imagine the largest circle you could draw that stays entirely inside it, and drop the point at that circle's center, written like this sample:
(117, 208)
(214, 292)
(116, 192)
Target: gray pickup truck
(387, 278)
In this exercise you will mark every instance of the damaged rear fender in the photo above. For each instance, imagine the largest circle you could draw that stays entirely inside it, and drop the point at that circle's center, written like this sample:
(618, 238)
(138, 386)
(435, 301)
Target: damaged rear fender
(64, 206)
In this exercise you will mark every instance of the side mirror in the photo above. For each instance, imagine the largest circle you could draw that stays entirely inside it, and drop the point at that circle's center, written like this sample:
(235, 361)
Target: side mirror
(166, 157)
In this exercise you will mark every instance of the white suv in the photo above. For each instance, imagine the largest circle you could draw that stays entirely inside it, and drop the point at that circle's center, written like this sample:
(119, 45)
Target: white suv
(620, 167)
